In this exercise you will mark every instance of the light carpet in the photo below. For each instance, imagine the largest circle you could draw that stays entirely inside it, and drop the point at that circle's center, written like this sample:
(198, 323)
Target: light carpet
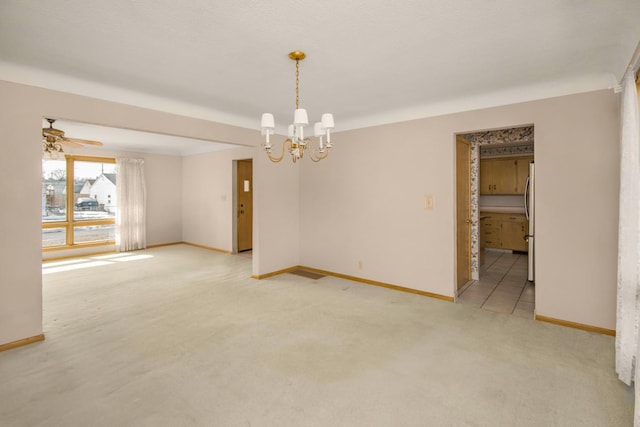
(177, 336)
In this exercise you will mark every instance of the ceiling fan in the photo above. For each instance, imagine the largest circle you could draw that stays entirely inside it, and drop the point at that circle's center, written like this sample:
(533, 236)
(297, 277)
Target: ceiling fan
(53, 139)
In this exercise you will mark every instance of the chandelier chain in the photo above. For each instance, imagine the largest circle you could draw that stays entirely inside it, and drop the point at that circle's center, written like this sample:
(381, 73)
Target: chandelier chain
(297, 82)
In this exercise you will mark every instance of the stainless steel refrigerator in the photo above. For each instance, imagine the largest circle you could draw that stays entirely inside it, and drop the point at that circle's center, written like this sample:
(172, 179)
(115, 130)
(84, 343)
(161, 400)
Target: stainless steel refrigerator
(530, 212)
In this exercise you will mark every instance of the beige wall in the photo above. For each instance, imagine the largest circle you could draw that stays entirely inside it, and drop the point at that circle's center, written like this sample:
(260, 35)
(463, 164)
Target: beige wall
(208, 206)
(163, 176)
(208, 196)
(21, 111)
(275, 185)
(20, 267)
(365, 204)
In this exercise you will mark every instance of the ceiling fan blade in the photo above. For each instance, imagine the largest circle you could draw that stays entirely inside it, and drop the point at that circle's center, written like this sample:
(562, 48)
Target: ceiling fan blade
(82, 141)
(52, 132)
(69, 142)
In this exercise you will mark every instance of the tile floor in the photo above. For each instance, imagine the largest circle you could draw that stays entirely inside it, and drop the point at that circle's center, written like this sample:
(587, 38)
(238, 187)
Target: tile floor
(246, 254)
(503, 285)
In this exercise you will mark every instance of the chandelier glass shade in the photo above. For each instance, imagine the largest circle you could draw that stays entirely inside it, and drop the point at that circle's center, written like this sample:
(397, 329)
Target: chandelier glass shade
(296, 144)
(51, 147)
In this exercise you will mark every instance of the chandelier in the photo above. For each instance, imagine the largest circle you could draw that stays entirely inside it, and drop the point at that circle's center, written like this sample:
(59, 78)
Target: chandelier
(296, 143)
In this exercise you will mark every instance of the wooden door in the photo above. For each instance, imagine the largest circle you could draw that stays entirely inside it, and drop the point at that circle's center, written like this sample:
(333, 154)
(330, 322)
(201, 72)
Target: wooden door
(463, 210)
(244, 206)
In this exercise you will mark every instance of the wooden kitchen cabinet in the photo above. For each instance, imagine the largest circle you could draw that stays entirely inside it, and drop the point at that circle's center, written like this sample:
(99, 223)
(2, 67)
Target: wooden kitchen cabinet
(490, 232)
(496, 176)
(504, 175)
(513, 232)
(504, 231)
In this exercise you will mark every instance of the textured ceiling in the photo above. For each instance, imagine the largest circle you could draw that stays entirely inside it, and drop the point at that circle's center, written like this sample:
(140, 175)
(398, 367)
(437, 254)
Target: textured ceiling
(368, 62)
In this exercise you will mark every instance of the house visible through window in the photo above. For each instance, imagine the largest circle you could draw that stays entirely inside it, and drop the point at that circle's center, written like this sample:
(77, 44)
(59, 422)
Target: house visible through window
(78, 201)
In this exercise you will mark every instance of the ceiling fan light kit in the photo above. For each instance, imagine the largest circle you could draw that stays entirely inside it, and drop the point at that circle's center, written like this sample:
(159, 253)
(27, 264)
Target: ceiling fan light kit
(296, 143)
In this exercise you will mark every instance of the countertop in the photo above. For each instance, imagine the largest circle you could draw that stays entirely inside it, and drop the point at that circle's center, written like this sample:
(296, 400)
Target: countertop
(502, 209)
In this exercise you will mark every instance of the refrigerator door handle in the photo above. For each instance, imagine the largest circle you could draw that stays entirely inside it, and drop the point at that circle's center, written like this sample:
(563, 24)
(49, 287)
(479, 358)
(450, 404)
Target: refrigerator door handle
(526, 196)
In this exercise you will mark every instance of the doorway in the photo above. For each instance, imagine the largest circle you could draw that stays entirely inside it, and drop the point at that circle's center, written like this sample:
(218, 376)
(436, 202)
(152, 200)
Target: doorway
(244, 205)
(499, 253)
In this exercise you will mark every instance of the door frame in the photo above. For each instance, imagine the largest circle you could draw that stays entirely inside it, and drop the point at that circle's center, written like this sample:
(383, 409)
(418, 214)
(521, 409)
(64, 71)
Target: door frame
(475, 216)
(457, 288)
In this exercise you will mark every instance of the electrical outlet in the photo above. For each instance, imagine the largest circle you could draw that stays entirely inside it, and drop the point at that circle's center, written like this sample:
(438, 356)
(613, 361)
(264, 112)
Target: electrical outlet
(359, 265)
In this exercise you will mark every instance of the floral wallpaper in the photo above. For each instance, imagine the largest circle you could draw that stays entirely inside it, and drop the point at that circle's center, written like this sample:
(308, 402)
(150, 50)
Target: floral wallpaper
(501, 136)
(490, 144)
(475, 211)
(505, 150)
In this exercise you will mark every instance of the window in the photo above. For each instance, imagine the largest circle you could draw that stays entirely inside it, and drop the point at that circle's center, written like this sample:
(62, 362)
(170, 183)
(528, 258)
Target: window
(79, 201)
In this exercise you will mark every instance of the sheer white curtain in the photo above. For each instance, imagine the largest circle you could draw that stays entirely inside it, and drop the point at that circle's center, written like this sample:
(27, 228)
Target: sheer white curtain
(131, 219)
(628, 314)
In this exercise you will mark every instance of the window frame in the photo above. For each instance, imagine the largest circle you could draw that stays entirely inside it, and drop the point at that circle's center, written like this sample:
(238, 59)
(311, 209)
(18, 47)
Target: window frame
(70, 223)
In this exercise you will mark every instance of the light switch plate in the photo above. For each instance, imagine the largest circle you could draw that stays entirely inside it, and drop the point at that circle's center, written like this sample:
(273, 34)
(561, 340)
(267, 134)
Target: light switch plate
(428, 201)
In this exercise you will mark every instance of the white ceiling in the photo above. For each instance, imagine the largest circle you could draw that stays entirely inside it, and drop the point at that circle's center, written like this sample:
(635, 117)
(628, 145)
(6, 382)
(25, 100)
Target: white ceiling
(368, 61)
